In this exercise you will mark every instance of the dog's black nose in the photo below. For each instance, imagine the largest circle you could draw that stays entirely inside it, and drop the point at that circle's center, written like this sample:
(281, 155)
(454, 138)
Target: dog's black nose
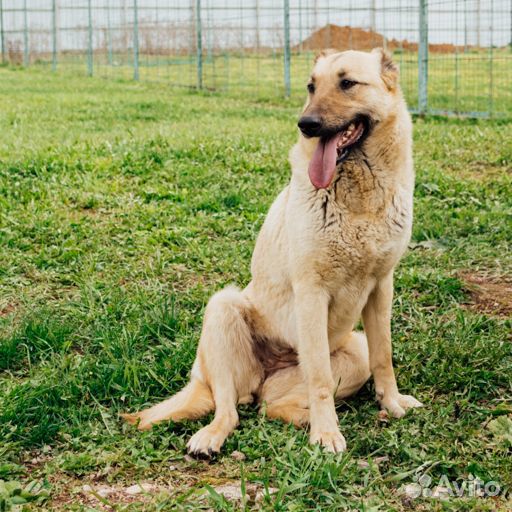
(310, 125)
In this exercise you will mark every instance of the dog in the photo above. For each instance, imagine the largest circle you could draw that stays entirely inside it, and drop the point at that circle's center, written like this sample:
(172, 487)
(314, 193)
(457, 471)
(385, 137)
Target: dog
(324, 258)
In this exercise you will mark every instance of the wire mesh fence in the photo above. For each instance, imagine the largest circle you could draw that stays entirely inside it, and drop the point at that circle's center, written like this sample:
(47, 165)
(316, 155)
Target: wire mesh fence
(455, 56)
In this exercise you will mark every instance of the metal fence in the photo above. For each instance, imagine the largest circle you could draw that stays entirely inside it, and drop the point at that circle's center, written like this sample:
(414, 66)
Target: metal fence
(455, 56)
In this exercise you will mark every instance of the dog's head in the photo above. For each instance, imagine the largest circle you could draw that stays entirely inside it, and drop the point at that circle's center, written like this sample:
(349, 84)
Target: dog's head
(348, 94)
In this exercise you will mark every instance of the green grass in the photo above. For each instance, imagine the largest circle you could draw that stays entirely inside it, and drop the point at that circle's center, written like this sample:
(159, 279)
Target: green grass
(124, 206)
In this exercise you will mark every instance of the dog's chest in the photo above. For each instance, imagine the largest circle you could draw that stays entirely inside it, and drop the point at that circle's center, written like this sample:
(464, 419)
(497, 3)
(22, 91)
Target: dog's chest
(356, 239)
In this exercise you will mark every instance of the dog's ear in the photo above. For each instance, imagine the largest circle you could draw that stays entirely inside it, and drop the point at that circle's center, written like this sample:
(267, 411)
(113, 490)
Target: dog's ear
(324, 53)
(388, 69)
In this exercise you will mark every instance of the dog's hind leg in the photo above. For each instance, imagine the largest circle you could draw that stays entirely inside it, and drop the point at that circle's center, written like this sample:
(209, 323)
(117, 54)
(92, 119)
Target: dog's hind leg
(292, 408)
(228, 364)
(286, 394)
(351, 366)
(226, 372)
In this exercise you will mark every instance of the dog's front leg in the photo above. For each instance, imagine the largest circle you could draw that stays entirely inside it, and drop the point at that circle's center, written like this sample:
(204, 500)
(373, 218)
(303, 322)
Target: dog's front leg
(377, 325)
(312, 310)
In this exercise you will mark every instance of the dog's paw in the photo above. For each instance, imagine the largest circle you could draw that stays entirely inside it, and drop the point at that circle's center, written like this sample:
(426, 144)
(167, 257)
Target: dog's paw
(137, 419)
(398, 405)
(333, 442)
(205, 443)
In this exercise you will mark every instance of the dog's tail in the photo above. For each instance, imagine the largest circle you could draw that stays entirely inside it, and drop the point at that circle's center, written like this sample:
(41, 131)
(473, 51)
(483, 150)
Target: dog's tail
(192, 402)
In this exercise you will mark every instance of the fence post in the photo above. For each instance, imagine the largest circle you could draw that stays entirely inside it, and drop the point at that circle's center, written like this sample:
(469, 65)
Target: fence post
(465, 4)
(456, 85)
(199, 45)
(287, 83)
(2, 40)
(109, 36)
(491, 59)
(373, 11)
(258, 28)
(300, 27)
(478, 24)
(135, 41)
(89, 39)
(26, 55)
(54, 35)
(423, 59)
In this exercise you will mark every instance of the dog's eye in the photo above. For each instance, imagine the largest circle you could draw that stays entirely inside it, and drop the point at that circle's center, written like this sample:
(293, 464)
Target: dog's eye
(347, 84)
(311, 87)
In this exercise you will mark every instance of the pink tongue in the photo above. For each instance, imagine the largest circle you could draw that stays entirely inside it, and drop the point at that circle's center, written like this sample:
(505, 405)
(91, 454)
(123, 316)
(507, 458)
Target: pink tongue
(323, 163)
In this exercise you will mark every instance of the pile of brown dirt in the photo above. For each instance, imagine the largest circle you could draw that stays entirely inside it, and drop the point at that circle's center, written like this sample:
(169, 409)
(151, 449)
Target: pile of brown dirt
(355, 38)
(341, 38)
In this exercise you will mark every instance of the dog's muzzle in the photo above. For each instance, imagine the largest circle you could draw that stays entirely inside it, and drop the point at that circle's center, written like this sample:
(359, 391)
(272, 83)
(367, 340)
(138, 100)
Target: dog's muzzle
(310, 126)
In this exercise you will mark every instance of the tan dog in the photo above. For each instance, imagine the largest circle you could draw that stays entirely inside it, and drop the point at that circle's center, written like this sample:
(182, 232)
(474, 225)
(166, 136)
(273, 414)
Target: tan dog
(324, 257)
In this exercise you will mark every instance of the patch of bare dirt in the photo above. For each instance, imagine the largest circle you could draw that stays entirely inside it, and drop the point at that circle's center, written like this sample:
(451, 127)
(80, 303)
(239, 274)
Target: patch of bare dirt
(109, 489)
(480, 170)
(490, 295)
(103, 496)
(7, 309)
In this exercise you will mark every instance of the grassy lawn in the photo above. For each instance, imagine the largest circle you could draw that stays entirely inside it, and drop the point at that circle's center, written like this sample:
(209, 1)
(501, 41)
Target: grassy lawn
(124, 206)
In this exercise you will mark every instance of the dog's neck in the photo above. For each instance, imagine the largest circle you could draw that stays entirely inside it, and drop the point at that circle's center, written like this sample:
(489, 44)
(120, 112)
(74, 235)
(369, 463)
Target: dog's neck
(369, 177)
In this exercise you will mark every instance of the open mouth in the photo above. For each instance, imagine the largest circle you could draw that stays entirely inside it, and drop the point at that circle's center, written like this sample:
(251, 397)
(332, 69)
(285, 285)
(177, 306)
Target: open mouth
(347, 138)
(332, 150)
